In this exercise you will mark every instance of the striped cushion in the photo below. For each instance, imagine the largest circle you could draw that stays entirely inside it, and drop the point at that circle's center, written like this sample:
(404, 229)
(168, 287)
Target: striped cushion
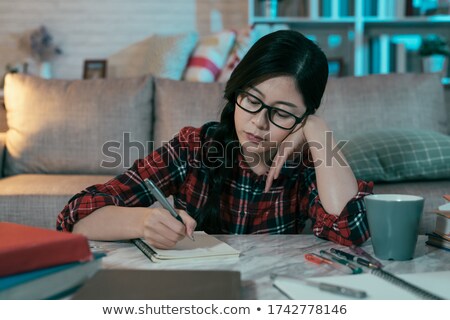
(399, 154)
(209, 57)
(245, 38)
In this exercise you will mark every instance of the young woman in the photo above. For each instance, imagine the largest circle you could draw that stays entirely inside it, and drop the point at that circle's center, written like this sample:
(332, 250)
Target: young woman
(267, 167)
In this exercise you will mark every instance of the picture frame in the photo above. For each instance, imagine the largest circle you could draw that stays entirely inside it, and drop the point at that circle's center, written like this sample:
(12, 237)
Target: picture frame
(335, 67)
(94, 69)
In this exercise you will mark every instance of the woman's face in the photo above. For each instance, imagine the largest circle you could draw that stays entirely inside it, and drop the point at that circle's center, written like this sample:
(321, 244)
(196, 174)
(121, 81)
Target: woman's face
(255, 129)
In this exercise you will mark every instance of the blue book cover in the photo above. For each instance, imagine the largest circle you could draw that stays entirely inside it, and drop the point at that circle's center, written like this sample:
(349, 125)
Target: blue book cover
(47, 282)
(374, 55)
(326, 8)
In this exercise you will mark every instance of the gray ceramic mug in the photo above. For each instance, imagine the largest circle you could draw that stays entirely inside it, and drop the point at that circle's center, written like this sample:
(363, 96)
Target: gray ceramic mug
(394, 221)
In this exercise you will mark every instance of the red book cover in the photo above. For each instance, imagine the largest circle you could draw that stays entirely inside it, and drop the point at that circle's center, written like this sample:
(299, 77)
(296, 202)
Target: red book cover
(26, 248)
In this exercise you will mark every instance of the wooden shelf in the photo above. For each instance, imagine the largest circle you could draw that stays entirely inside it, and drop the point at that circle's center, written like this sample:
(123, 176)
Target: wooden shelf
(259, 19)
(323, 23)
(368, 22)
(357, 31)
(415, 21)
(408, 25)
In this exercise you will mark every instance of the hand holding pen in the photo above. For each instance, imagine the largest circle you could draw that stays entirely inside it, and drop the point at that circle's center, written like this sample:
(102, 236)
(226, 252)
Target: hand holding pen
(160, 229)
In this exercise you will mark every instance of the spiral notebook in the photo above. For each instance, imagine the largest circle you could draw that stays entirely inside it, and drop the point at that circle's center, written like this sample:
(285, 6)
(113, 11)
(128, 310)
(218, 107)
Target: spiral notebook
(377, 287)
(205, 246)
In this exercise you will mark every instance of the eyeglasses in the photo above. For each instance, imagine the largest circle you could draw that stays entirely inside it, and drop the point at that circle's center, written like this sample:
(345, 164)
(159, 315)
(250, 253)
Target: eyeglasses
(279, 117)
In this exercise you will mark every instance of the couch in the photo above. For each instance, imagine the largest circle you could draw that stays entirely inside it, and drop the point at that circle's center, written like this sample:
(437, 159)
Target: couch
(64, 135)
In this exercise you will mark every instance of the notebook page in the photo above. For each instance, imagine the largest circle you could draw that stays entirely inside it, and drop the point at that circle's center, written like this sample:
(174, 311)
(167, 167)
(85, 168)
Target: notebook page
(204, 246)
(376, 288)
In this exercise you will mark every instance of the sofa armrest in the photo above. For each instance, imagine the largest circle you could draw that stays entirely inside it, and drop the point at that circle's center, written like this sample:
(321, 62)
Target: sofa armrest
(2, 151)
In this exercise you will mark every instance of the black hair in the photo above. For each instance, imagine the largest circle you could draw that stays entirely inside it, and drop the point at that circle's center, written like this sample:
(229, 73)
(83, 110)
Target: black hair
(281, 53)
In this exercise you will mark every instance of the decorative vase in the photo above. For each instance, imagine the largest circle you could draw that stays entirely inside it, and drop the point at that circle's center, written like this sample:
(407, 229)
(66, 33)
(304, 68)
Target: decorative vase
(45, 70)
(433, 63)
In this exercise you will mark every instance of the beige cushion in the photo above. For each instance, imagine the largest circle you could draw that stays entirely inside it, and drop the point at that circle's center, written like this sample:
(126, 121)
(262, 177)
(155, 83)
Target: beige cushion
(61, 126)
(163, 56)
(37, 199)
(179, 104)
(356, 104)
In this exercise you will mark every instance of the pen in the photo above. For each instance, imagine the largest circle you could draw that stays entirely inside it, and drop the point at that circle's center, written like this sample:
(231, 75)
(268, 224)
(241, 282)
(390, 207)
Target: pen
(355, 269)
(317, 259)
(360, 252)
(337, 289)
(162, 199)
(351, 257)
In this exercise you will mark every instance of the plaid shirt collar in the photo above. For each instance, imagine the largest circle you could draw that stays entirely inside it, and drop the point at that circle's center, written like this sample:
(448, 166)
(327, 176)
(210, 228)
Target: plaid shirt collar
(288, 169)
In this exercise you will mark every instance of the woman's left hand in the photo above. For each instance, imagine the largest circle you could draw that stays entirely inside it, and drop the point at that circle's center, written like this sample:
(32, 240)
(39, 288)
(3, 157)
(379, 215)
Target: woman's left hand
(294, 142)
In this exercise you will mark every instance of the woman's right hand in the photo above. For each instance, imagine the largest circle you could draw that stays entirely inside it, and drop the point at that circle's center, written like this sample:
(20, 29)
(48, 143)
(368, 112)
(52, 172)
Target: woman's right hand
(163, 231)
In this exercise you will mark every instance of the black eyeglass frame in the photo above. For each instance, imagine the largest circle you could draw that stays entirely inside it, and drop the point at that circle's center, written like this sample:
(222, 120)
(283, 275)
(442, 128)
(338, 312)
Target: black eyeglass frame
(269, 108)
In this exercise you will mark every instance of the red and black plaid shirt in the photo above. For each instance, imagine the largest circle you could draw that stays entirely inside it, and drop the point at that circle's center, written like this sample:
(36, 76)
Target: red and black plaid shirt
(245, 208)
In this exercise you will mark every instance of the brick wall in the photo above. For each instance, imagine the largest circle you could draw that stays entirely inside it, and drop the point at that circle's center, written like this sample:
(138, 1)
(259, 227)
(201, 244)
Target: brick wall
(87, 29)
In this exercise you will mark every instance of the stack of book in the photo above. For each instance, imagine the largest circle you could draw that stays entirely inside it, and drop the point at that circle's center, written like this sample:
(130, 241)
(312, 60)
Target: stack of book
(440, 237)
(39, 263)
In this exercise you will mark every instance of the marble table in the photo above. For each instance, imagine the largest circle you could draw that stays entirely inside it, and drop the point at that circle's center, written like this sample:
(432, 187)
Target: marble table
(262, 255)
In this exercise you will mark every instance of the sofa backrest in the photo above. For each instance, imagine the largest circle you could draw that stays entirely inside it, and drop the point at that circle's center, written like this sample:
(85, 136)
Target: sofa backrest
(180, 103)
(353, 105)
(350, 105)
(61, 126)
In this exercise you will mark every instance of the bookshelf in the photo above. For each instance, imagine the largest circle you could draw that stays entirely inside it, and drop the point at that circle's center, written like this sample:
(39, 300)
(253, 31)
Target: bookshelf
(369, 36)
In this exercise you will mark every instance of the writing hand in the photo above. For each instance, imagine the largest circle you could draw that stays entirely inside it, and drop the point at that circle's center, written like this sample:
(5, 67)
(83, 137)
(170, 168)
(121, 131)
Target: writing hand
(163, 231)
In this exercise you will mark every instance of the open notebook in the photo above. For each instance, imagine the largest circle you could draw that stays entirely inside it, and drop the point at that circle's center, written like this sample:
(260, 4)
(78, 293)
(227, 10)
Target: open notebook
(205, 246)
(376, 288)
